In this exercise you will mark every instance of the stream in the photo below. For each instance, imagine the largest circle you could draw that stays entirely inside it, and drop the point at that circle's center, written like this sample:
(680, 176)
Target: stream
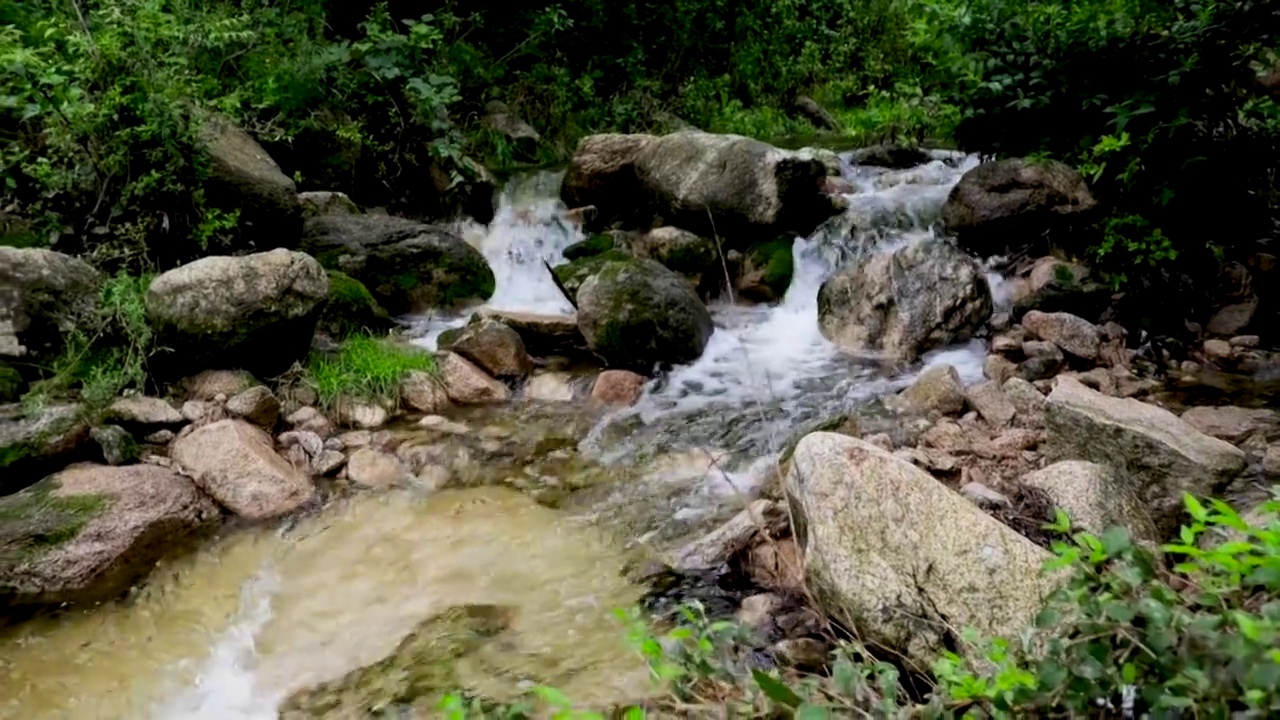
(259, 612)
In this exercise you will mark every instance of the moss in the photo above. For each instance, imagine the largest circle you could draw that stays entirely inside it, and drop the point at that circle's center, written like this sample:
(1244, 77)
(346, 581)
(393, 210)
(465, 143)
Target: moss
(592, 246)
(573, 274)
(775, 257)
(36, 520)
(365, 368)
(351, 309)
(688, 258)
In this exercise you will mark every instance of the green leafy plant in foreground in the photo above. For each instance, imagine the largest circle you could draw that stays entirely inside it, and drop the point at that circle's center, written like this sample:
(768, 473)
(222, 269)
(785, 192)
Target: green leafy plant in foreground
(365, 368)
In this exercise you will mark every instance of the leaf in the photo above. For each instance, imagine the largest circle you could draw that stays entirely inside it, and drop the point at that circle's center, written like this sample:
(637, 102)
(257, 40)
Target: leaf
(809, 711)
(775, 690)
(552, 696)
(1194, 508)
(1116, 540)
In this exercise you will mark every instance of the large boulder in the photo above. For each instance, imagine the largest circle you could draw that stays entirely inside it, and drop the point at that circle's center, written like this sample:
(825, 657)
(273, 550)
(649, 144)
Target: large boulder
(909, 563)
(408, 266)
(244, 178)
(88, 532)
(35, 443)
(44, 295)
(602, 173)
(1009, 203)
(737, 188)
(351, 309)
(237, 464)
(1161, 455)
(256, 312)
(638, 314)
(905, 303)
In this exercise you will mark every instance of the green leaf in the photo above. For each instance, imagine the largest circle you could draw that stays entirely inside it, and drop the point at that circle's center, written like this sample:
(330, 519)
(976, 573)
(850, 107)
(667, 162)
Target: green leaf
(775, 690)
(1116, 540)
(552, 696)
(1194, 508)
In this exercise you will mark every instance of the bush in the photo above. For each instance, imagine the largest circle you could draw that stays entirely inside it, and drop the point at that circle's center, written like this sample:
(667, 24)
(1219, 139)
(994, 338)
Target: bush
(365, 369)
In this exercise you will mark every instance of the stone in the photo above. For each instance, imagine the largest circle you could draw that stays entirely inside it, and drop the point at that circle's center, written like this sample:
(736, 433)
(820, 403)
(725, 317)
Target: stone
(776, 564)
(1005, 344)
(549, 387)
(423, 392)
(896, 157)
(243, 178)
(638, 315)
(1217, 350)
(142, 411)
(499, 118)
(902, 304)
(467, 384)
(1162, 456)
(409, 267)
(354, 413)
(894, 553)
(983, 496)
(758, 610)
(620, 388)
(1025, 397)
(938, 389)
(715, 548)
(803, 653)
(989, 400)
(1010, 443)
(118, 446)
(1233, 424)
(445, 425)
(1044, 360)
(680, 251)
(542, 334)
(326, 202)
(494, 347)
(1095, 497)
(160, 437)
(88, 533)
(1232, 319)
(820, 117)
(202, 412)
(257, 405)
(351, 309)
(44, 296)
(602, 173)
(998, 368)
(375, 469)
(1075, 335)
(40, 442)
(1006, 204)
(1245, 341)
(1271, 462)
(256, 312)
(309, 418)
(310, 442)
(235, 463)
(209, 384)
(766, 271)
(327, 463)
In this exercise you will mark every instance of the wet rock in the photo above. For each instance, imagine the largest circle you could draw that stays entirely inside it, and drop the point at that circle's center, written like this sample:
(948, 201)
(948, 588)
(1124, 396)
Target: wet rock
(572, 275)
(602, 172)
(423, 392)
(142, 412)
(543, 335)
(244, 178)
(1233, 424)
(894, 553)
(937, 389)
(1231, 319)
(1044, 360)
(89, 532)
(905, 303)
(117, 445)
(327, 463)
(35, 445)
(618, 387)
(326, 202)
(375, 469)
(309, 418)
(351, 310)
(493, 346)
(1025, 397)
(1075, 335)
(638, 314)
(1162, 456)
(255, 311)
(44, 295)
(679, 251)
(1003, 204)
(467, 384)
(436, 422)
(989, 400)
(211, 383)
(257, 405)
(407, 266)
(897, 157)
(715, 548)
(549, 387)
(766, 271)
(354, 413)
(235, 463)
(998, 368)
(1095, 497)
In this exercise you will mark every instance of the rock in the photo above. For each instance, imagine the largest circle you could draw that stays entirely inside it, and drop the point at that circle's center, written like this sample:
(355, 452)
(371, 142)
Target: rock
(326, 202)
(467, 384)
(257, 405)
(542, 335)
(602, 173)
(903, 304)
(310, 442)
(715, 548)
(571, 276)
(44, 296)
(1057, 286)
(118, 446)
(997, 368)
(937, 389)
(143, 412)
(733, 187)
(777, 565)
(1271, 461)
(1217, 350)
(983, 496)
(618, 387)
(309, 418)
(1232, 319)
(499, 118)
(376, 469)
(757, 610)
(202, 412)
(1006, 345)
(549, 387)
(1245, 341)
(443, 424)
(594, 245)
(244, 178)
(354, 413)
(423, 392)
(1006, 203)
(493, 346)
(89, 532)
(160, 437)
(209, 384)
(35, 445)
(804, 653)
(351, 310)
(1095, 498)
(638, 314)
(680, 251)
(1044, 360)
(1073, 334)
(408, 266)
(989, 400)
(1025, 397)
(236, 464)
(1160, 455)
(896, 157)
(810, 110)
(894, 553)
(327, 463)
(766, 272)
(1233, 424)
(256, 312)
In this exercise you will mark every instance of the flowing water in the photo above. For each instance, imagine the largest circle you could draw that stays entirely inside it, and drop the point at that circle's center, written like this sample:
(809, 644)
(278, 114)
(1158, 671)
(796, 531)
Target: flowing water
(261, 612)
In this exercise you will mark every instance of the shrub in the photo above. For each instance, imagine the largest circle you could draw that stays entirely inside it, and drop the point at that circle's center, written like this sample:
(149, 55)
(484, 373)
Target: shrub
(365, 368)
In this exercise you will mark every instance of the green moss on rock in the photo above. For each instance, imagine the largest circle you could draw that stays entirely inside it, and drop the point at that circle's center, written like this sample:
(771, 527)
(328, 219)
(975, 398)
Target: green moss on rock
(779, 266)
(573, 274)
(592, 246)
(36, 520)
(351, 309)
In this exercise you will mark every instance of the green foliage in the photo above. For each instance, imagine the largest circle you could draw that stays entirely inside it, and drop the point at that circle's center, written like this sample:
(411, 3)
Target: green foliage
(365, 369)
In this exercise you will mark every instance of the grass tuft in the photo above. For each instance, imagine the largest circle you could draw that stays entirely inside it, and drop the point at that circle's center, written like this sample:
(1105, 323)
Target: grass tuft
(365, 368)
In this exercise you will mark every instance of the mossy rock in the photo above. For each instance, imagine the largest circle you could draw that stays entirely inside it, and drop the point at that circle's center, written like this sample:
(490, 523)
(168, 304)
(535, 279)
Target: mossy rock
(35, 521)
(413, 677)
(573, 274)
(592, 246)
(679, 250)
(35, 445)
(351, 309)
(768, 271)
